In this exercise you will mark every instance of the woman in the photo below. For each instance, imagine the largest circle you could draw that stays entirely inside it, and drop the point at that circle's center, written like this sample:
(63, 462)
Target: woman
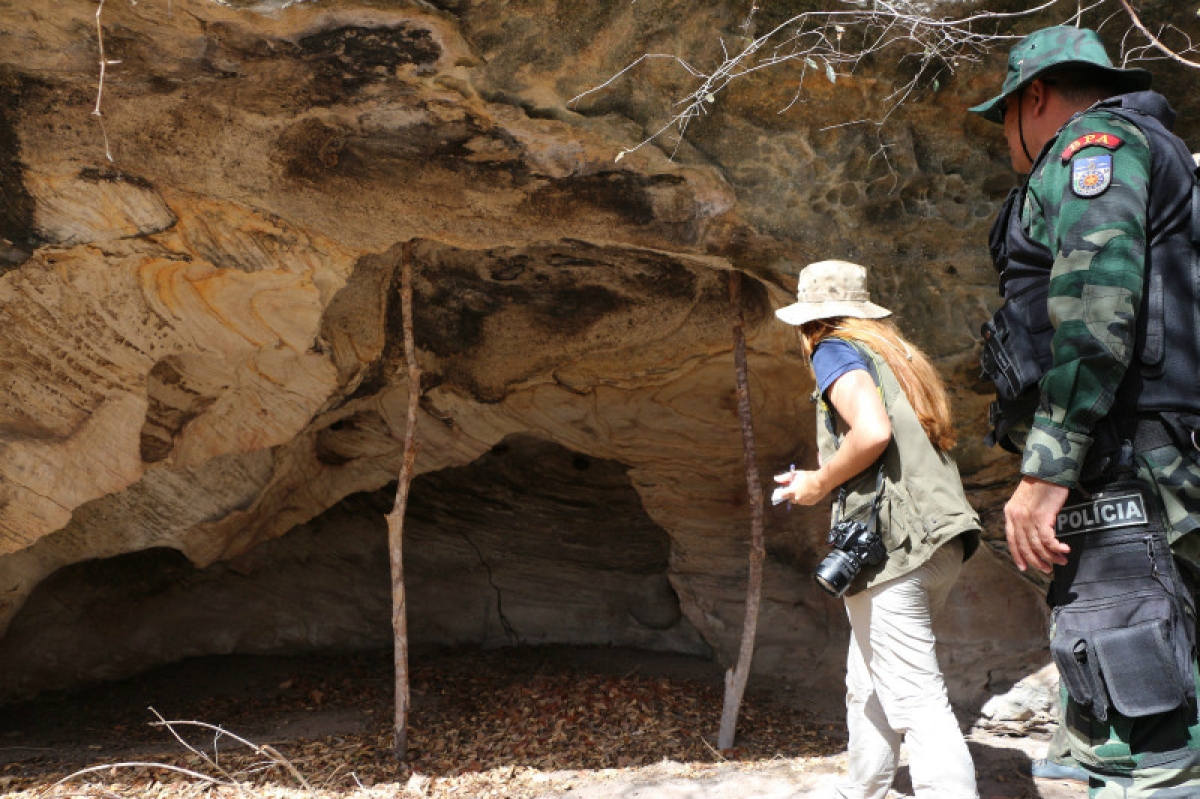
(882, 407)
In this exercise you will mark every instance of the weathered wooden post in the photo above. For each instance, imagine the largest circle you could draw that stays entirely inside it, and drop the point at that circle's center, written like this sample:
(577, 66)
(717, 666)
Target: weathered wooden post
(395, 519)
(735, 678)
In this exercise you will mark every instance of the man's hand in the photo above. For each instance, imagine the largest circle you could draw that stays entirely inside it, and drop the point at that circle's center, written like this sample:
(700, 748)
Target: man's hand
(1029, 519)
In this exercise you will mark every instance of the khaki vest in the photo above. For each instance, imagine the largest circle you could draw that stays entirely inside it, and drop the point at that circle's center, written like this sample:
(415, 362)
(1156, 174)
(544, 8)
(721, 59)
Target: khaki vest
(923, 506)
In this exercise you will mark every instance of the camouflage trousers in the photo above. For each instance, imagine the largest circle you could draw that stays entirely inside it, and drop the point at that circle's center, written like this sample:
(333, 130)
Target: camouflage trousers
(1175, 475)
(1153, 757)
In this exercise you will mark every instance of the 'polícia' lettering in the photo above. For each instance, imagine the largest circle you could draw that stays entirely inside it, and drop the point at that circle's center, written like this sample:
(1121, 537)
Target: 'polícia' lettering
(1102, 514)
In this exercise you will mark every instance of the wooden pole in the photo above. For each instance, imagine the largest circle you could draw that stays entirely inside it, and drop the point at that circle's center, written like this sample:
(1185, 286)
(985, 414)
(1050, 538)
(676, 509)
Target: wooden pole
(395, 519)
(735, 679)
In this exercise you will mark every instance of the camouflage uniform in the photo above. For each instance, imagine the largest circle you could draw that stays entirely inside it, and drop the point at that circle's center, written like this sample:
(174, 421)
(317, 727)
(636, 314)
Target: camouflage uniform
(1098, 241)
(1095, 292)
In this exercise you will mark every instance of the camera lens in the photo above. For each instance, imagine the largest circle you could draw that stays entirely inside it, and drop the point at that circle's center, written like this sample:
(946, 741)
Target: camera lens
(836, 572)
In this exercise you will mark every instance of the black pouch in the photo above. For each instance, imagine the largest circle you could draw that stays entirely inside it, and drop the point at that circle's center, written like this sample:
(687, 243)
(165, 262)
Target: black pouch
(1123, 616)
(1016, 340)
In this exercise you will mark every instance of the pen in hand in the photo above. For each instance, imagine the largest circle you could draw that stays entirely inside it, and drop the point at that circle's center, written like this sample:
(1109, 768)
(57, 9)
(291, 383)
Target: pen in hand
(777, 495)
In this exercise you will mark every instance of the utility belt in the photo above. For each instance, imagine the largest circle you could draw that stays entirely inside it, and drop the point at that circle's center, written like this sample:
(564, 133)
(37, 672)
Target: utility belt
(1143, 433)
(1123, 612)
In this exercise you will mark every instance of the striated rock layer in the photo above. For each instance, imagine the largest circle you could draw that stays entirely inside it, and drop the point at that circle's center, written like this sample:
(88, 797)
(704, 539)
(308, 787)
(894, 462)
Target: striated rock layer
(201, 380)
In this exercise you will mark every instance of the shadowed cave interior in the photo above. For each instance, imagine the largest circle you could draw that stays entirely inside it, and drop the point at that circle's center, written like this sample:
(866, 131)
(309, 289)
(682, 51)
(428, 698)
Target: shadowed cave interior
(531, 544)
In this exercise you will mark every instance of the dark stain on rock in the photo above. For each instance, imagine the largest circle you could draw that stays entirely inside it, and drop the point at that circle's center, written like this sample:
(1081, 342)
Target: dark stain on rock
(310, 149)
(450, 319)
(17, 239)
(477, 152)
(110, 175)
(443, 141)
(510, 268)
(620, 193)
(347, 59)
(756, 304)
(569, 310)
(450, 314)
(660, 276)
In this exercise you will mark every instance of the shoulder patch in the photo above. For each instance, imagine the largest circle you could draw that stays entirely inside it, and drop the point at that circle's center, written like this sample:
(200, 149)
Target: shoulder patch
(1091, 140)
(1091, 175)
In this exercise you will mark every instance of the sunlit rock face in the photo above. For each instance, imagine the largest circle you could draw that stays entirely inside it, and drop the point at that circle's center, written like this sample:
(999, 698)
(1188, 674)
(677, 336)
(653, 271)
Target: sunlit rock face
(202, 381)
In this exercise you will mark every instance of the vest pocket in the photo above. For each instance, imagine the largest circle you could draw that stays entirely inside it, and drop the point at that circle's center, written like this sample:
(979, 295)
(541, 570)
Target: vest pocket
(903, 523)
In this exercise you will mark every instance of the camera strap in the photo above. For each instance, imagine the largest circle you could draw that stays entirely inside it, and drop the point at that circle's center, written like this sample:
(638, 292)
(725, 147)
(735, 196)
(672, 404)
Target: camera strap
(873, 370)
(875, 505)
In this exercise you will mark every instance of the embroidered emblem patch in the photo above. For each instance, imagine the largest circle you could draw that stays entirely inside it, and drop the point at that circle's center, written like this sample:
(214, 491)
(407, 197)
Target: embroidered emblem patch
(1108, 513)
(1091, 140)
(1091, 175)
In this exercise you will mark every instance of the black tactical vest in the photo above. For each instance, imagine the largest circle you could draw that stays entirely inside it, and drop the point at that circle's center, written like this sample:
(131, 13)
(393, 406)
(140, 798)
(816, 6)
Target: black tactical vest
(1166, 358)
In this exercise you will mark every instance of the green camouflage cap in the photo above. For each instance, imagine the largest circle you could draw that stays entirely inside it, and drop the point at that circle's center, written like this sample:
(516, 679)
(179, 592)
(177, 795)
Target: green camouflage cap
(1051, 48)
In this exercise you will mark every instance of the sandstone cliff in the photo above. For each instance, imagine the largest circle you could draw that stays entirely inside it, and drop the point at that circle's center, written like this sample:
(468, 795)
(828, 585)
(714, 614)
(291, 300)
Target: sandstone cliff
(201, 380)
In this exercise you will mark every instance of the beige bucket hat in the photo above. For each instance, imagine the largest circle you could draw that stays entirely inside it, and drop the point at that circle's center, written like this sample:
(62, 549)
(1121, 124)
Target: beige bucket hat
(829, 289)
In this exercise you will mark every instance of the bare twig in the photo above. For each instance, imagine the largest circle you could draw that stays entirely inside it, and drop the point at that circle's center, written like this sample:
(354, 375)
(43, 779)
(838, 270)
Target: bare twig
(274, 758)
(1154, 40)
(104, 62)
(279, 759)
(198, 752)
(196, 775)
(820, 42)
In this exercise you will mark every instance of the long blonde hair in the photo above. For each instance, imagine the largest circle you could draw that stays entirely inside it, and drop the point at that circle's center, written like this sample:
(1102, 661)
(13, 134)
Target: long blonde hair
(920, 381)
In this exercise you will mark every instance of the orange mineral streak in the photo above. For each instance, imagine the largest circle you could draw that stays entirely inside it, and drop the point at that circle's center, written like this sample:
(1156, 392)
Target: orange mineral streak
(230, 310)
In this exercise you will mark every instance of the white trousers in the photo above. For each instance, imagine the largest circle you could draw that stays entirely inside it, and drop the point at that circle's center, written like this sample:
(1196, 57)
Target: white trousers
(895, 690)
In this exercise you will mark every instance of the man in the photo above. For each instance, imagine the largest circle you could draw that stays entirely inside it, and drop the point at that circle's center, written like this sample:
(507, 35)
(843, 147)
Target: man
(1095, 356)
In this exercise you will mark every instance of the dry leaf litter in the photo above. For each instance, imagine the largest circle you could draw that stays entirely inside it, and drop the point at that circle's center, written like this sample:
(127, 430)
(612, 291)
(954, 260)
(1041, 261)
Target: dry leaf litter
(481, 725)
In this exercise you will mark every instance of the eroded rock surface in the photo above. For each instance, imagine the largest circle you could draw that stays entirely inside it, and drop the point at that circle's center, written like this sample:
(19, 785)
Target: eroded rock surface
(202, 388)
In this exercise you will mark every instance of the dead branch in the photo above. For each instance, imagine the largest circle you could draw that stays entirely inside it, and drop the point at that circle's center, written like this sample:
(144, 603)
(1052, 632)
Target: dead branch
(819, 42)
(104, 63)
(198, 752)
(735, 679)
(1154, 40)
(395, 519)
(139, 764)
(274, 758)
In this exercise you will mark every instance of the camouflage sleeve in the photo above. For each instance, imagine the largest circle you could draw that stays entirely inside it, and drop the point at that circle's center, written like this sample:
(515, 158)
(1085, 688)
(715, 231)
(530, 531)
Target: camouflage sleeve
(1088, 204)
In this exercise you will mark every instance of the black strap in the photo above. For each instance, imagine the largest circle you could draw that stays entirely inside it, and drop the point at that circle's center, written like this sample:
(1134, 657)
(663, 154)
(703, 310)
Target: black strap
(875, 505)
(874, 372)
(878, 498)
(1144, 432)
(1196, 209)
(1156, 323)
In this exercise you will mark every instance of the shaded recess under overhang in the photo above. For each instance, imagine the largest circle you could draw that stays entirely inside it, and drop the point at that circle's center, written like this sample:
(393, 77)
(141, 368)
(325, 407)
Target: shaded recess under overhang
(530, 544)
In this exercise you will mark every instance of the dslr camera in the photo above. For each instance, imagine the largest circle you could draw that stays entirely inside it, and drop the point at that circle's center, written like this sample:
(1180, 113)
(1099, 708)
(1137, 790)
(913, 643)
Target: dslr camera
(854, 545)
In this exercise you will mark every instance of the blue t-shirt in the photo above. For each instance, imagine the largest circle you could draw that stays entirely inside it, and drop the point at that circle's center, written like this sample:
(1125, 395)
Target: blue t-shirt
(833, 358)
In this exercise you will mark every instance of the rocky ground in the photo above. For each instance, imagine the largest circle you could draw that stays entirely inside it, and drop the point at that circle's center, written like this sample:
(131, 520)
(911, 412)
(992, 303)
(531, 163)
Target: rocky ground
(538, 723)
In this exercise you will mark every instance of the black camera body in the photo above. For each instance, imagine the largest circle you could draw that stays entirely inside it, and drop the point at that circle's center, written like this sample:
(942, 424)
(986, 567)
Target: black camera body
(855, 545)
